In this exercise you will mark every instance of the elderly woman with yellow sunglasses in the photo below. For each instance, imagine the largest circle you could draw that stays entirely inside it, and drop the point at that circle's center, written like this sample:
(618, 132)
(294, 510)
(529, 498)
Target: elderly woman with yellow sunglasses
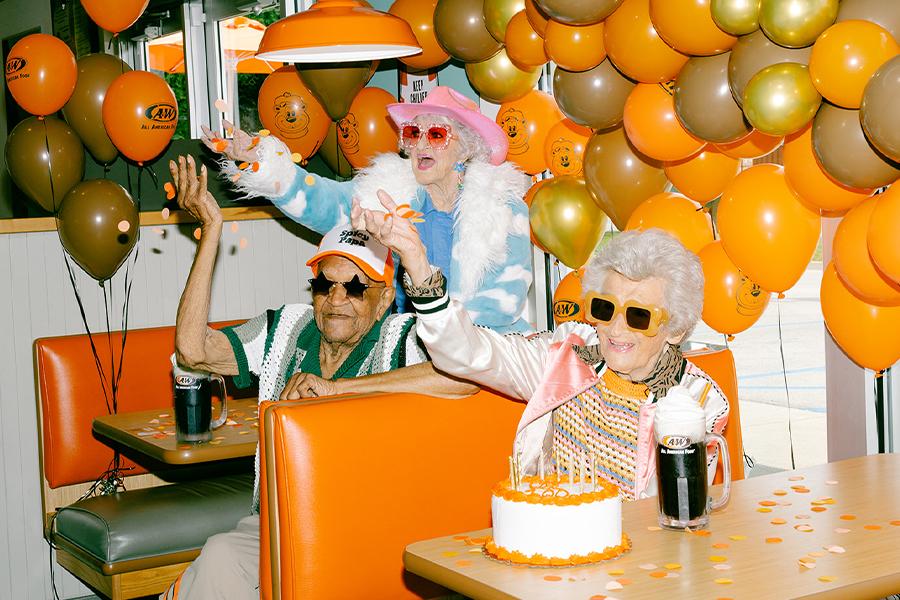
(591, 390)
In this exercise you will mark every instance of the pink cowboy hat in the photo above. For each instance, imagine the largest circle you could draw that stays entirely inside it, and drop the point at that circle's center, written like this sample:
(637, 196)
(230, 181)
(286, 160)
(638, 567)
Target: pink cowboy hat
(450, 103)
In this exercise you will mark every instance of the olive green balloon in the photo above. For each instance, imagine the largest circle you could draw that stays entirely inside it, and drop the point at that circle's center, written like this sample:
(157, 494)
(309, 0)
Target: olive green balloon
(460, 30)
(335, 85)
(754, 52)
(703, 100)
(618, 176)
(595, 98)
(332, 154)
(781, 99)
(98, 226)
(497, 14)
(44, 177)
(84, 110)
(880, 109)
(578, 12)
(566, 221)
(844, 152)
(885, 13)
(796, 23)
(737, 17)
(498, 80)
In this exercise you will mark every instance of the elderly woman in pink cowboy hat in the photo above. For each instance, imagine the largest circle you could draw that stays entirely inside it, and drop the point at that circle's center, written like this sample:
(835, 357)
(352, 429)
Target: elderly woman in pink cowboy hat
(464, 198)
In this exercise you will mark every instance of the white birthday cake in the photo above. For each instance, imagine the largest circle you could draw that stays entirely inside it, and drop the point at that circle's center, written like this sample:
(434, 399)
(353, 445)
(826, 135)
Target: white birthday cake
(553, 521)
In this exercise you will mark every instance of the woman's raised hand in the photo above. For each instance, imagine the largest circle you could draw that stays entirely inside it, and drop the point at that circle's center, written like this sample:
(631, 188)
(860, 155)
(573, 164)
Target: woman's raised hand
(192, 194)
(396, 232)
(242, 146)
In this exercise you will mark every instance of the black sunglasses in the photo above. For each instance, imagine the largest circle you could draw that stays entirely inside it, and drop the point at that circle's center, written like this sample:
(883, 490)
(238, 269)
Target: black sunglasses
(354, 288)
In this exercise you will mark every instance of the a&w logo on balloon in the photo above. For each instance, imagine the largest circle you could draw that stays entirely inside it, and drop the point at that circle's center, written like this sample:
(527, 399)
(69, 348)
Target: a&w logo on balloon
(13, 65)
(162, 115)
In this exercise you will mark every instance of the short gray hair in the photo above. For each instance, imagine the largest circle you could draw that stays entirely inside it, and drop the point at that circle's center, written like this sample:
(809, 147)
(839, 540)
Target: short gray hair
(471, 145)
(639, 255)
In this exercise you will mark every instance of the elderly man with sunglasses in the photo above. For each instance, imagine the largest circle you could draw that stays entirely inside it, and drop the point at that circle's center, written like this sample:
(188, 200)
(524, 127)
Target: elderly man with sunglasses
(347, 341)
(591, 390)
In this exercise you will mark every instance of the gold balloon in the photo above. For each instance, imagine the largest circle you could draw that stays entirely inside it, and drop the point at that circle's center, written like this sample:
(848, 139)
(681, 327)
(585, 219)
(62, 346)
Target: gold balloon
(498, 80)
(566, 221)
(737, 17)
(497, 14)
(796, 23)
(781, 99)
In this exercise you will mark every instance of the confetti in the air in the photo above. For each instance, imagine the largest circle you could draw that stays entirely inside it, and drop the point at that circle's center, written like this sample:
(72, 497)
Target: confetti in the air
(221, 105)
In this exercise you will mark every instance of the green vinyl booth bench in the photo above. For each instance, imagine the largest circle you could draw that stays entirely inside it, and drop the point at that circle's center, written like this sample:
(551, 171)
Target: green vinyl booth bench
(132, 543)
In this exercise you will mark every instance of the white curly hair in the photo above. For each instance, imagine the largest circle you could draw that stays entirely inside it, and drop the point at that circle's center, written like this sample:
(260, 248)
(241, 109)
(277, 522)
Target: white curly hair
(639, 255)
(471, 145)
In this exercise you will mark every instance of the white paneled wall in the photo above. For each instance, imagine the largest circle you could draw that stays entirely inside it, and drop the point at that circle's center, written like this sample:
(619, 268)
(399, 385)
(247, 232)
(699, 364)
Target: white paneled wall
(261, 264)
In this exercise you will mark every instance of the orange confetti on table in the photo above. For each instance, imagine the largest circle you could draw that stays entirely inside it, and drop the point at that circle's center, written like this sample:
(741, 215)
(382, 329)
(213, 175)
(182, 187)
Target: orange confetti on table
(803, 527)
(774, 540)
(796, 478)
(701, 532)
(895, 523)
(624, 581)
(449, 554)
(817, 554)
(197, 233)
(780, 493)
(801, 517)
(764, 509)
(831, 482)
(672, 566)
(615, 572)
(722, 567)
(170, 190)
(807, 563)
(463, 563)
(872, 527)
(766, 503)
(552, 578)
(658, 574)
(597, 597)
(647, 567)
(818, 509)
(723, 581)
(827, 578)
(165, 214)
(613, 586)
(717, 558)
(835, 549)
(653, 528)
(778, 521)
(848, 517)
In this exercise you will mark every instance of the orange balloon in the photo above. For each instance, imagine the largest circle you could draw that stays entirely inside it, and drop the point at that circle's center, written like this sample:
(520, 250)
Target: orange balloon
(731, 301)
(564, 147)
(575, 48)
(844, 58)
(114, 16)
(140, 114)
(703, 177)
(41, 73)
(851, 259)
(367, 129)
(865, 332)
(883, 228)
(536, 17)
(675, 214)
(529, 196)
(568, 298)
(752, 145)
(420, 16)
(768, 233)
(635, 47)
(652, 126)
(810, 182)
(527, 121)
(291, 112)
(524, 45)
(688, 26)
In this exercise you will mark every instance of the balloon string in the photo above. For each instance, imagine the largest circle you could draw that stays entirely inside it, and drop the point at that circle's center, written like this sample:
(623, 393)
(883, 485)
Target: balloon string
(128, 175)
(50, 167)
(786, 390)
(879, 409)
(140, 172)
(107, 299)
(87, 328)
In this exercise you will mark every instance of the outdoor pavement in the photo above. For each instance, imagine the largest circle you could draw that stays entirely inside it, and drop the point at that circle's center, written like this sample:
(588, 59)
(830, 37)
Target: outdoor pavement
(761, 378)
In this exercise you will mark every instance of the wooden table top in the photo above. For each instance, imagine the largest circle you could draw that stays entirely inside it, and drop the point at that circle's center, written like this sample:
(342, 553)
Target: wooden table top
(829, 531)
(152, 432)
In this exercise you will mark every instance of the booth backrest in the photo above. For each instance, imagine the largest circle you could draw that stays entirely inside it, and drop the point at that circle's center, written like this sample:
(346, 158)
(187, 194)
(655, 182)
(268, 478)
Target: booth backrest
(70, 396)
(359, 479)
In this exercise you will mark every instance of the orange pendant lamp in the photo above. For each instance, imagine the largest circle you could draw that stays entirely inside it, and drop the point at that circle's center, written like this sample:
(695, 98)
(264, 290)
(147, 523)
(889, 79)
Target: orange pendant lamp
(337, 31)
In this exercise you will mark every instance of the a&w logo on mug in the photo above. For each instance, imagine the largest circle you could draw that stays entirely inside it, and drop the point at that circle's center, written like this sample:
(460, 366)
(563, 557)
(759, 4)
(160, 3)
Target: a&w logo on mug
(185, 380)
(162, 112)
(675, 441)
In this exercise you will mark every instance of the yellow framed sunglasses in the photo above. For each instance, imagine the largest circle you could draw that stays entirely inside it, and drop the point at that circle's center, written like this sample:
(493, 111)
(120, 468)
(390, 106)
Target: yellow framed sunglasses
(643, 318)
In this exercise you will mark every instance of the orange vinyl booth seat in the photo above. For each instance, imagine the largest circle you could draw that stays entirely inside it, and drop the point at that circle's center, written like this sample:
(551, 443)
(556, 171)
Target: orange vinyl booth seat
(69, 396)
(349, 482)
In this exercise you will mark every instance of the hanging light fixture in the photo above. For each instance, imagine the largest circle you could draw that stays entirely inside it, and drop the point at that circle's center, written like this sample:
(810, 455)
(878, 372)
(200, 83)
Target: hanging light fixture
(337, 31)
